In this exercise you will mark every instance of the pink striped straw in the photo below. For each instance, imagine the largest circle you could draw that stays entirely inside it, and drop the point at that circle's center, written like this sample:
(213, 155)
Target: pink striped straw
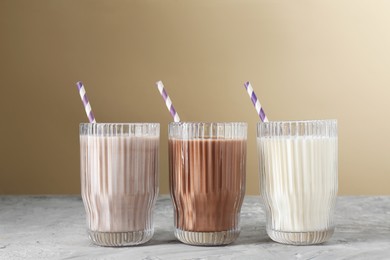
(86, 103)
(168, 101)
(255, 102)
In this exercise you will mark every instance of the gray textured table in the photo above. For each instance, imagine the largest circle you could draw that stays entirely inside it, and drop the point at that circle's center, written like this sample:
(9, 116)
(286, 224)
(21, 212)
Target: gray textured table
(47, 227)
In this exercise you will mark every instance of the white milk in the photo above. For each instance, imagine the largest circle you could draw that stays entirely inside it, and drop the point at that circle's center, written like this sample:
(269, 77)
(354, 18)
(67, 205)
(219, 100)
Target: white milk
(298, 178)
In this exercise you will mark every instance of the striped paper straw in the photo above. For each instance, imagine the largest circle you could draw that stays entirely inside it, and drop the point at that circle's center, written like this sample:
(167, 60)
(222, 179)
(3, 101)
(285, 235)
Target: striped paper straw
(168, 101)
(255, 102)
(86, 104)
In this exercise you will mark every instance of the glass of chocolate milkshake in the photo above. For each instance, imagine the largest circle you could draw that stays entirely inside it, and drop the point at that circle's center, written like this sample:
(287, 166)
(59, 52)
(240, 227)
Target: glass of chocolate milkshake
(207, 163)
(119, 181)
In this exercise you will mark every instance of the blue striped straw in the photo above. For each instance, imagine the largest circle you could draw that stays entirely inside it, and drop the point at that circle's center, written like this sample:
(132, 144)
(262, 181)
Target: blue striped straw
(168, 101)
(255, 102)
(86, 103)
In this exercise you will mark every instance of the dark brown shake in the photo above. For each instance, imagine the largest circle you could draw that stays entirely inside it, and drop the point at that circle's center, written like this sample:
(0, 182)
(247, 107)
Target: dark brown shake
(207, 183)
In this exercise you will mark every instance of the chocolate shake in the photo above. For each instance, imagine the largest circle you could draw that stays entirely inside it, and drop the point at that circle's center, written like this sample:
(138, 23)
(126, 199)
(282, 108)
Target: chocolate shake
(119, 185)
(207, 184)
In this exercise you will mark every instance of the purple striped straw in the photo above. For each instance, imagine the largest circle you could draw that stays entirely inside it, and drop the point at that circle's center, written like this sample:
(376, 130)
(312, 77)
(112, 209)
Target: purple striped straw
(168, 101)
(86, 103)
(255, 102)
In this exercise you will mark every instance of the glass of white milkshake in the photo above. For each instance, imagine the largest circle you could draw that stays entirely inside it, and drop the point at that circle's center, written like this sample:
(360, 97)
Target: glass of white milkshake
(298, 165)
(119, 181)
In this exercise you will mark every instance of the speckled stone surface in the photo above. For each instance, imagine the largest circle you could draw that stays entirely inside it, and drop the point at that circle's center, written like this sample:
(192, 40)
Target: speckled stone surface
(54, 227)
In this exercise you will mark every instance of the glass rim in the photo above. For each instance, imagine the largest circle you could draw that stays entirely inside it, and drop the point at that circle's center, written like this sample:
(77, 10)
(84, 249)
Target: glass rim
(299, 121)
(206, 123)
(121, 124)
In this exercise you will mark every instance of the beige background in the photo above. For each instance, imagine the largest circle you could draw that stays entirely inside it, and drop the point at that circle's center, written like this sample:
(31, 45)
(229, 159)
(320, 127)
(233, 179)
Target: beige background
(305, 59)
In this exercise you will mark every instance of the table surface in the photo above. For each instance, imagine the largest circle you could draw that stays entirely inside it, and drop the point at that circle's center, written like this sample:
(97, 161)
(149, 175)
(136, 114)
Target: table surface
(54, 227)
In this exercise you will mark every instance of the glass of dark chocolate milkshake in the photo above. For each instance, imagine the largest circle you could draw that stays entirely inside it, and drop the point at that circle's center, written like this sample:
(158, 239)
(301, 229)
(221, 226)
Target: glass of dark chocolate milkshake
(207, 167)
(119, 181)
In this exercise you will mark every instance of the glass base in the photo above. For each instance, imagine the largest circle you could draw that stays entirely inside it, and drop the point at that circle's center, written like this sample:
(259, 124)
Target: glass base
(300, 238)
(130, 238)
(207, 238)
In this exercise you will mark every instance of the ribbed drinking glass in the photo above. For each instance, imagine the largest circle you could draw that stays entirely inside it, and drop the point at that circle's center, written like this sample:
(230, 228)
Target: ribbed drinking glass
(207, 163)
(298, 179)
(119, 181)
